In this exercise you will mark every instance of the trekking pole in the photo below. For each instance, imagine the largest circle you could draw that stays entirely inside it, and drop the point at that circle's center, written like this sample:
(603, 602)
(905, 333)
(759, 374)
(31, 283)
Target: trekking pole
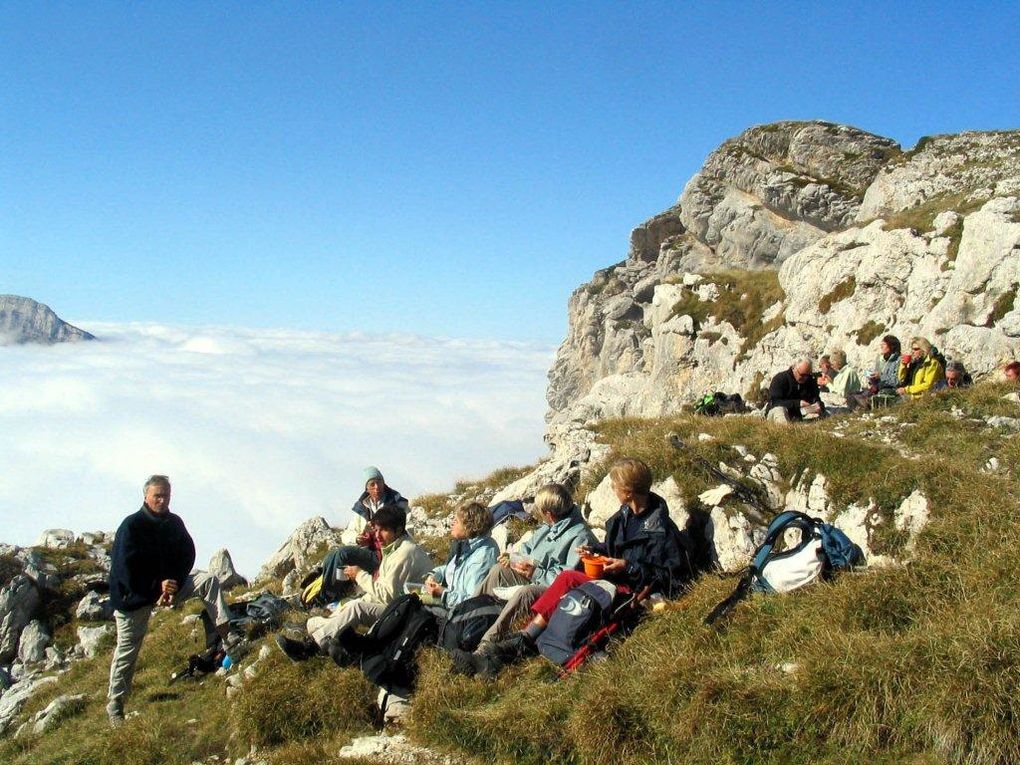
(750, 495)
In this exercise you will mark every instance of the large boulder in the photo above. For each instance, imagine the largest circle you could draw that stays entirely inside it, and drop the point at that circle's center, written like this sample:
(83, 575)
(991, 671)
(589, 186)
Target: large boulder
(18, 603)
(312, 538)
(222, 566)
(12, 701)
(94, 607)
(91, 640)
(56, 539)
(32, 645)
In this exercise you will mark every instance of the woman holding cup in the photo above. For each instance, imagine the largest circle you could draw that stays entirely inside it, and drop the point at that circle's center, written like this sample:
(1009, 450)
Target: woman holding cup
(553, 547)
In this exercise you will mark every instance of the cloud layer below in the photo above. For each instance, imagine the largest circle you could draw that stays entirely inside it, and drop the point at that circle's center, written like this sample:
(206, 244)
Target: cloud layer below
(258, 429)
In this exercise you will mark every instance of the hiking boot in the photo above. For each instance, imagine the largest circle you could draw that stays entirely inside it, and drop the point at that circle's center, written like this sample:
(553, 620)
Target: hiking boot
(467, 663)
(497, 655)
(115, 714)
(297, 650)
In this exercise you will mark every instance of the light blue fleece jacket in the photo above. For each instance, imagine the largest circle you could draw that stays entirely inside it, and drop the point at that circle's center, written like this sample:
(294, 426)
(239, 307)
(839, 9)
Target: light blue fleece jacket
(469, 563)
(553, 547)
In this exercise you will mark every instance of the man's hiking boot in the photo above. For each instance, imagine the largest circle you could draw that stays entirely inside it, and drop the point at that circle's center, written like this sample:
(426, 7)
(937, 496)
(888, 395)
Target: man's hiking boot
(494, 656)
(297, 650)
(115, 714)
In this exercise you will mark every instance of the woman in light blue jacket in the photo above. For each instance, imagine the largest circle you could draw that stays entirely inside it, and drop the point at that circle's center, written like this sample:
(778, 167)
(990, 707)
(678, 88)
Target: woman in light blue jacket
(474, 553)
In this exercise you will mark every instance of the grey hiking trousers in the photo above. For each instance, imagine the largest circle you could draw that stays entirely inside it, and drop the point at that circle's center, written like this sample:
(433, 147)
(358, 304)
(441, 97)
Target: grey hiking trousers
(132, 626)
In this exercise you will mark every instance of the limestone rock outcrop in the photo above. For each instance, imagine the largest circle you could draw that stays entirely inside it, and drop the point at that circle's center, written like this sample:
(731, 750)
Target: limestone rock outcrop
(23, 320)
(305, 546)
(796, 239)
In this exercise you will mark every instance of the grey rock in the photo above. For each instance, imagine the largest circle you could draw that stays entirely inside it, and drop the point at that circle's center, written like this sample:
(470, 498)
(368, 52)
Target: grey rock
(92, 640)
(56, 539)
(313, 536)
(221, 565)
(94, 607)
(32, 644)
(16, 696)
(23, 320)
(58, 710)
(18, 602)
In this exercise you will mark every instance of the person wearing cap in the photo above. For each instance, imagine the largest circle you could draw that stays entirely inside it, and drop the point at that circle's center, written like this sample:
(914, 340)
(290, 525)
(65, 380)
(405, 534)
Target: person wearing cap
(359, 544)
(403, 561)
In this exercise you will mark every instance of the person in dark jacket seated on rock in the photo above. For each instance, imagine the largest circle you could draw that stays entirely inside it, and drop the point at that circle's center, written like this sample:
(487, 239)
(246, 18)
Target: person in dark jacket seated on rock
(643, 548)
(957, 376)
(150, 562)
(794, 395)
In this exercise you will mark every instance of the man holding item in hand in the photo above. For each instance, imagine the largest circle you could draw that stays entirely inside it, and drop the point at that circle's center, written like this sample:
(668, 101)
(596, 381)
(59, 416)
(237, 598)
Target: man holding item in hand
(150, 563)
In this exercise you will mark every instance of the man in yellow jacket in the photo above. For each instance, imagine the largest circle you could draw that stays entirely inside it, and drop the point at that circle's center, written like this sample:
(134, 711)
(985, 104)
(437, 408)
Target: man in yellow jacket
(921, 370)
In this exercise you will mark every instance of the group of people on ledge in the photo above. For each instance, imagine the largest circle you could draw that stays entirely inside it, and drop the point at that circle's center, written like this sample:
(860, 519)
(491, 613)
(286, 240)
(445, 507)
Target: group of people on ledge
(800, 393)
(153, 554)
(642, 547)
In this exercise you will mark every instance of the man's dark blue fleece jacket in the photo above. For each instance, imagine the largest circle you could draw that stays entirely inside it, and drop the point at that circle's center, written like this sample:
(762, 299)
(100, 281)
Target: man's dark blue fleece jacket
(148, 549)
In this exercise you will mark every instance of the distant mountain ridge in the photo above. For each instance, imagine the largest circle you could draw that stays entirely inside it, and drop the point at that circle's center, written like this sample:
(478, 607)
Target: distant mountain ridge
(23, 320)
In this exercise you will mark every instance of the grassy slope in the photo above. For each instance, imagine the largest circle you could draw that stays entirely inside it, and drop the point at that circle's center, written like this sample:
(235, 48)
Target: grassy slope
(914, 664)
(917, 664)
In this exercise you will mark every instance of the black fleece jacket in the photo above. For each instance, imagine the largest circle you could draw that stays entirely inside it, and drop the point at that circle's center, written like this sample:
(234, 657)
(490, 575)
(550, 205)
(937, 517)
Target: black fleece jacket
(148, 548)
(656, 551)
(786, 392)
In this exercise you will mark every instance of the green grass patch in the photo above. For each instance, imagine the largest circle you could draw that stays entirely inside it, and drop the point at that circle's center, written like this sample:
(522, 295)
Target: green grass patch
(841, 291)
(867, 333)
(1003, 305)
(744, 297)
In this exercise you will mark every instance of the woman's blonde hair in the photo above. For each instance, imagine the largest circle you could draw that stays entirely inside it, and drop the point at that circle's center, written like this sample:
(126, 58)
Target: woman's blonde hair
(555, 499)
(921, 343)
(838, 358)
(631, 474)
(475, 518)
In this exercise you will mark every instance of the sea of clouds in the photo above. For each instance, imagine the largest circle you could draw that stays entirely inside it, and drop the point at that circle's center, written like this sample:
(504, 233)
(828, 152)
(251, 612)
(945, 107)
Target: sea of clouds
(257, 429)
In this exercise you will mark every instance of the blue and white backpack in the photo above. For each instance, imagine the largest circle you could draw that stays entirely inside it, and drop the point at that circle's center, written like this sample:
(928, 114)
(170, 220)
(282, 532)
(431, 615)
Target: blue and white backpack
(781, 564)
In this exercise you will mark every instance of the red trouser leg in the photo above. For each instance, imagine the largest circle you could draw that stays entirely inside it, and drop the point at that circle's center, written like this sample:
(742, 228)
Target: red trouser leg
(562, 584)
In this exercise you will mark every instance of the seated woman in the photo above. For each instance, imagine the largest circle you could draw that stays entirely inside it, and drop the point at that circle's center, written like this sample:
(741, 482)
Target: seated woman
(643, 547)
(474, 552)
(1012, 371)
(552, 548)
(921, 371)
(403, 561)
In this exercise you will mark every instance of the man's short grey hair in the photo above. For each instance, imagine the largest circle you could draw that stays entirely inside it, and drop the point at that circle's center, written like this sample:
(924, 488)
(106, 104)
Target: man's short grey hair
(156, 480)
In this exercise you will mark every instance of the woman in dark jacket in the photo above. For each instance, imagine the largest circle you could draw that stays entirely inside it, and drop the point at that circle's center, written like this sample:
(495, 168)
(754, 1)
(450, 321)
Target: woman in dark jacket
(643, 548)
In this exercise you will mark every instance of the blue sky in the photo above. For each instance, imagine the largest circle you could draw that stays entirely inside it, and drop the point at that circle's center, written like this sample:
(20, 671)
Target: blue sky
(450, 169)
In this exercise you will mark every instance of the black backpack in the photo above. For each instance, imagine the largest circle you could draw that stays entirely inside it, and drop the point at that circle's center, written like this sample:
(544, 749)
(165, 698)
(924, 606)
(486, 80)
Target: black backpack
(387, 653)
(259, 615)
(579, 613)
(470, 620)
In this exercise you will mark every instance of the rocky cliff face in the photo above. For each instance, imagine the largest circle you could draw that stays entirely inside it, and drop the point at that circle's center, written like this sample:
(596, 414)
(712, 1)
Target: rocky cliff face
(795, 239)
(23, 320)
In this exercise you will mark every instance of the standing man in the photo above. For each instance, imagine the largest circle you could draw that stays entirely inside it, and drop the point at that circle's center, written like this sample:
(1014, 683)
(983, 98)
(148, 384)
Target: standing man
(150, 564)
